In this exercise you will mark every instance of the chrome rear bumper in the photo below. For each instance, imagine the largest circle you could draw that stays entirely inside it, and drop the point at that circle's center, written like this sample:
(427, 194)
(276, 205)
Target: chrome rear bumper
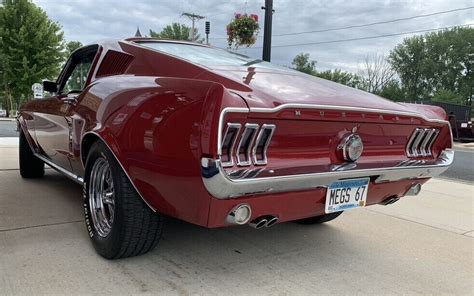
(221, 186)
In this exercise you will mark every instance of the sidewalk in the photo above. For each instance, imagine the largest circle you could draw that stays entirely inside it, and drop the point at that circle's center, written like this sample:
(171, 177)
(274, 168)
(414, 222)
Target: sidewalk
(419, 245)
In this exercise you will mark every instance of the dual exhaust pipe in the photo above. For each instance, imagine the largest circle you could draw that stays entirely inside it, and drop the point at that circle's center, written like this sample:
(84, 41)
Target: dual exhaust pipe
(412, 191)
(264, 221)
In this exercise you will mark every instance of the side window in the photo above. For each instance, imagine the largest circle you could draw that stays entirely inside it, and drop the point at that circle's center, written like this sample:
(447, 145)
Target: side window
(78, 77)
(77, 70)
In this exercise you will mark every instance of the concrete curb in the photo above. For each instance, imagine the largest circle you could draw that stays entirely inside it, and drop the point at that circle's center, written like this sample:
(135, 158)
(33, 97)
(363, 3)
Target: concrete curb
(7, 119)
(8, 142)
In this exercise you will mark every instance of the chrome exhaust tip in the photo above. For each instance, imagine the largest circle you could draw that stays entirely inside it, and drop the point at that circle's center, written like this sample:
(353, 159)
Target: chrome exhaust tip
(271, 221)
(390, 200)
(414, 190)
(258, 223)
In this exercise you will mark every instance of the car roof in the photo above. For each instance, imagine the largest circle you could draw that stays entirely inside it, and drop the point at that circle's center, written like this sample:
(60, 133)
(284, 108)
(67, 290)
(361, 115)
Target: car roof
(149, 39)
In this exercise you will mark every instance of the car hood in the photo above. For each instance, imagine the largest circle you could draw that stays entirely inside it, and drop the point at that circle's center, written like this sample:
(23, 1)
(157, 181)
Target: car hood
(269, 88)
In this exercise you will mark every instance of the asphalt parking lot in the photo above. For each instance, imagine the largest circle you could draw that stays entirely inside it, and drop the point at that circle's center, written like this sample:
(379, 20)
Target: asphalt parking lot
(420, 245)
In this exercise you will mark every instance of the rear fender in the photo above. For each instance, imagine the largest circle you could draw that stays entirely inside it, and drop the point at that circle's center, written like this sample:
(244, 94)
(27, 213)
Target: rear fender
(158, 129)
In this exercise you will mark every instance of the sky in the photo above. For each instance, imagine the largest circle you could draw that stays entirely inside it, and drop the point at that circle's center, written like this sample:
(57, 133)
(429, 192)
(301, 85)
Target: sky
(88, 21)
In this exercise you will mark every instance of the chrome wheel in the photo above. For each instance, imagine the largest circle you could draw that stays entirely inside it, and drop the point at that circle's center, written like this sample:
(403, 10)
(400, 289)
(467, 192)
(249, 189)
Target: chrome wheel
(102, 197)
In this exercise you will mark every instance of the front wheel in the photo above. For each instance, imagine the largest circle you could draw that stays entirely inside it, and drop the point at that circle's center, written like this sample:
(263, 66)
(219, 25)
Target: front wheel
(320, 219)
(30, 165)
(119, 222)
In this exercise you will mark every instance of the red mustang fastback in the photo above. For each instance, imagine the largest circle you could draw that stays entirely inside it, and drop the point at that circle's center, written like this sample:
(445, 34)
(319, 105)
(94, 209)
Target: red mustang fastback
(155, 128)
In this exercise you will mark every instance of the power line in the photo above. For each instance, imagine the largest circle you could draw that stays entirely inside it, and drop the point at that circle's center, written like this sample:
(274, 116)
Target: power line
(193, 17)
(366, 38)
(371, 24)
(378, 23)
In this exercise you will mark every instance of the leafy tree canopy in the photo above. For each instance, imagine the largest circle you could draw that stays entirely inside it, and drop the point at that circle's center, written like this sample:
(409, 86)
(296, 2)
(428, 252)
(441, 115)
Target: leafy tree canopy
(177, 31)
(436, 64)
(71, 46)
(302, 63)
(31, 47)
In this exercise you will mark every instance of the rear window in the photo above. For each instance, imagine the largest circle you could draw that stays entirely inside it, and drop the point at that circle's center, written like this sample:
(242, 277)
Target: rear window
(207, 56)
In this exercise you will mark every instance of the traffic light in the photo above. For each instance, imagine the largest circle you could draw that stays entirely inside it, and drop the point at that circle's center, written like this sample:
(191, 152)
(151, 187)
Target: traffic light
(208, 27)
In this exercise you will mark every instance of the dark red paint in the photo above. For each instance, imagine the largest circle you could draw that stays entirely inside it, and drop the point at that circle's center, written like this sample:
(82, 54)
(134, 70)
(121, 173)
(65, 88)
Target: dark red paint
(161, 114)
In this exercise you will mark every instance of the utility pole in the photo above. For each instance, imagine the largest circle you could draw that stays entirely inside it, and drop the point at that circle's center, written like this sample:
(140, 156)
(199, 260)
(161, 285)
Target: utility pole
(267, 30)
(193, 17)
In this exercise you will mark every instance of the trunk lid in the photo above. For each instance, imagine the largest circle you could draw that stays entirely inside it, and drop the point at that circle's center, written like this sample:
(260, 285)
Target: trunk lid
(269, 88)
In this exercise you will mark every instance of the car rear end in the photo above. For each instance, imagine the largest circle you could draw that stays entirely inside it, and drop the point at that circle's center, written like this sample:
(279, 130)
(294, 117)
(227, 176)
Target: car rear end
(303, 160)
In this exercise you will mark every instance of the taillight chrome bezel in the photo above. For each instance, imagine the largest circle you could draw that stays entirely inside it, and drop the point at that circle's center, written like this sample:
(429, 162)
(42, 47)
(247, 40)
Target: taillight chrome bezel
(270, 128)
(421, 142)
(230, 150)
(252, 144)
(246, 142)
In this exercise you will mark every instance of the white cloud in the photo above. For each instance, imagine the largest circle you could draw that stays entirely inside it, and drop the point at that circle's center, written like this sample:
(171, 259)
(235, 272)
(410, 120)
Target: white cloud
(90, 20)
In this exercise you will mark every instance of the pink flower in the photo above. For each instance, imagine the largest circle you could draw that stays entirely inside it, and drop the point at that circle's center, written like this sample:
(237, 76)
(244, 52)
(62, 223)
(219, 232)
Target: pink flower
(238, 15)
(254, 17)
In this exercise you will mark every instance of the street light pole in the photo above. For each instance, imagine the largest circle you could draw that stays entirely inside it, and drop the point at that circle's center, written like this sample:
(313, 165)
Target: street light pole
(267, 30)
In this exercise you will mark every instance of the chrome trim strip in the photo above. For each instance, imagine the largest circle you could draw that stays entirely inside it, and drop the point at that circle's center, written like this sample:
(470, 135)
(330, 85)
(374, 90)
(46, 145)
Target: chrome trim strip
(60, 169)
(232, 145)
(320, 107)
(121, 166)
(270, 127)
(252, 127)
(221, 186)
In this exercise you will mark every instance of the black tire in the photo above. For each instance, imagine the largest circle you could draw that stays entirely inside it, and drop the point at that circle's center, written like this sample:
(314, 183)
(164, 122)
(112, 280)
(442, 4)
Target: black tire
(135, 228)
(30, 165)
(320, 219)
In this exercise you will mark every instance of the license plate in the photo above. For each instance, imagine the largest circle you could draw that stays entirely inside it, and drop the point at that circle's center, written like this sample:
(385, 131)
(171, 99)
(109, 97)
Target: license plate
(347, 194)
(464, 124)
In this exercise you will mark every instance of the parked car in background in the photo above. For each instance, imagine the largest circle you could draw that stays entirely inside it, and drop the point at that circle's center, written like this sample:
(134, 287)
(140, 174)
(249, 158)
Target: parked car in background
(155, 128)
(3, 113)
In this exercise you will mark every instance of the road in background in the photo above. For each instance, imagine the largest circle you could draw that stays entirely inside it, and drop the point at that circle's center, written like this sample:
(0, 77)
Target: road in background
(8, 128)
(462, 168)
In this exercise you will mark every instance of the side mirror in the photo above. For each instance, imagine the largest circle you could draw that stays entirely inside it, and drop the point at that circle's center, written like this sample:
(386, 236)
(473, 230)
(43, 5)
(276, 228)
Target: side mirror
(50, 86)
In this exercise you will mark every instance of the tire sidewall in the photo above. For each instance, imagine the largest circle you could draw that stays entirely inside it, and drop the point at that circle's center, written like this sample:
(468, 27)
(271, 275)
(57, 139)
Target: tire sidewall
(108, 246)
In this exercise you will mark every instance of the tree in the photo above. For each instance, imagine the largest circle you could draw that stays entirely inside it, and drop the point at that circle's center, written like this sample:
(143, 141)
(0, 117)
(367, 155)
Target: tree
(71, 46)
(31, 47)
(436, 64)
(177, 31)
(376, 74)
(393, 91)
(448, 96)
(342, 77)
(303, 64)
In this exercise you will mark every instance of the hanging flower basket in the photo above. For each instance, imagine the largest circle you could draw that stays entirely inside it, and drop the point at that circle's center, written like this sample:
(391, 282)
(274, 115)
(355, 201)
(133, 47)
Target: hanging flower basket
(242, 30)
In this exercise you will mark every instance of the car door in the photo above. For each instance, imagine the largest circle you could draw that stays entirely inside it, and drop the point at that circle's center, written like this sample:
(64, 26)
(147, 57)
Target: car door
(53, 124)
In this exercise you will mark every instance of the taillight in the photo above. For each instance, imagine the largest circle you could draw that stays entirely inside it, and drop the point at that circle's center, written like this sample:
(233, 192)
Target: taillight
(252, 146)
(228, 144)
(421, 141)
(261, 145)
(245, 144)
